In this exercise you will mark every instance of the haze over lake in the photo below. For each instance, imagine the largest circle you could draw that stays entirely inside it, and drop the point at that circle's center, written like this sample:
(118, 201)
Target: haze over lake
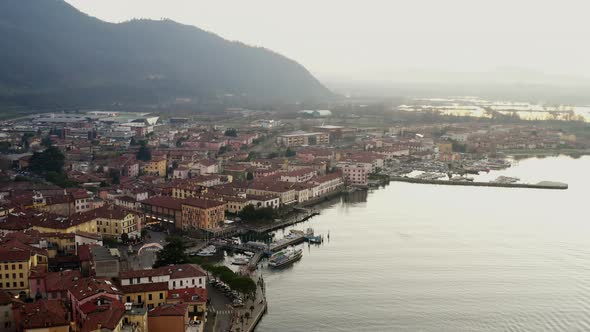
(446, 258)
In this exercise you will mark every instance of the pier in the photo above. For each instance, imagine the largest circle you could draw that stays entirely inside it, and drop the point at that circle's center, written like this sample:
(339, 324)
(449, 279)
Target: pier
(540, 185)
(284, 223)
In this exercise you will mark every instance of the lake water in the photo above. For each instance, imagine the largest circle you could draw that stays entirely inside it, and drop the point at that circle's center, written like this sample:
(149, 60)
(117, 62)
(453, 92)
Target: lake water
(412, 257)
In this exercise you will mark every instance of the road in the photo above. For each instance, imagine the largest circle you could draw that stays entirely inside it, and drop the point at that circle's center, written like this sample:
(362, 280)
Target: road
(220, 304)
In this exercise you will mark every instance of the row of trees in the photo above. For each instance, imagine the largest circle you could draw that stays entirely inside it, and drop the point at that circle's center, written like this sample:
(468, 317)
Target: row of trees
(241, 284)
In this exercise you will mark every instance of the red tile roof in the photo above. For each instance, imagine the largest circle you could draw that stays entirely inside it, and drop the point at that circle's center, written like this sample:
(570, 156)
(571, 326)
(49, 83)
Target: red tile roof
(86, 287)
(8, 255)
(179, 309)
(189, 295)
(44, 314)
(141, 288)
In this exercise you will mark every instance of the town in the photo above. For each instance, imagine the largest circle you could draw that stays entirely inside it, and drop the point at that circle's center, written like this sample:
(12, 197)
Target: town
(107, 217)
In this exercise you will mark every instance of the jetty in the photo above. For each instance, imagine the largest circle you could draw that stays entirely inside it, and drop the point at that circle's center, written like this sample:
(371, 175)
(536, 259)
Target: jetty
(540, 185)
(308, 214)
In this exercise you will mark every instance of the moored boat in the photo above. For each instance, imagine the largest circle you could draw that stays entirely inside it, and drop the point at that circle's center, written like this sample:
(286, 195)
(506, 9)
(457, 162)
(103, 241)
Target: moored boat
(285, 257)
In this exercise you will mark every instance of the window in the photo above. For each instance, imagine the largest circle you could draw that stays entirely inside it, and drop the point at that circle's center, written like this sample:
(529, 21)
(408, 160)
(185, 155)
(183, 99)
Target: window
(139, 298)
(180, 283)
(14, 276)
(14, 266)
(149, 297)
(20, 275)
(193, 281)
(174, 284)
(128, 299)
(22, 284)
(14, 284)
(20, 266)
(161, 295)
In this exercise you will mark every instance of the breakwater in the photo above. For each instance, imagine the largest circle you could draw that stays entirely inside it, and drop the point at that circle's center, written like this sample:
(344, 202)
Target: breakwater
(541, 185)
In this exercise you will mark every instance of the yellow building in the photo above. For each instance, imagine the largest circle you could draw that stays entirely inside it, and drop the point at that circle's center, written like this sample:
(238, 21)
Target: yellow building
(137, 317)
(155, 167)
(14, 270)
(112, 221)
(80, 222)
(202, 214)
(445, 147)
(148, 295)
(16, 261)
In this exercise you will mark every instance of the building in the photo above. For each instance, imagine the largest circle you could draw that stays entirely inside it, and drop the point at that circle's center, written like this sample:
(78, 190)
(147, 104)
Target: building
(327, 184)
(202, 214)
(164, 210)
(169, 318)
(52, 285)
(206, 166)
(146, 295)
(105, 261)
(113, 221)
(356, 174)
(42, 316)
(283, 190)
(195, 297)
(155, 167)
(175, 276)
(89, 291)
(301, 138)
(15, 265)
(300, 175)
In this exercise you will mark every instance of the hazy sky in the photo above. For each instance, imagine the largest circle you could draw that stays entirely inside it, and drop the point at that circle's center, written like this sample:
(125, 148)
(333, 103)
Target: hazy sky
(377, 39)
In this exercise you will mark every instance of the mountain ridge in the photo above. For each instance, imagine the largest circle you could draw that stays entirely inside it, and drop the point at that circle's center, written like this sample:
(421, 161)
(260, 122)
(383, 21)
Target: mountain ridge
(51, 47)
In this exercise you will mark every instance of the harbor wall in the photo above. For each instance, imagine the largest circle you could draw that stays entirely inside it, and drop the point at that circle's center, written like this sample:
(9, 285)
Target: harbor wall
(479, 184)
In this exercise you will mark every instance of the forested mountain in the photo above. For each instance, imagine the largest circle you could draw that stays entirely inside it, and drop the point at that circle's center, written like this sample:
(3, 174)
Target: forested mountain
(50, 50)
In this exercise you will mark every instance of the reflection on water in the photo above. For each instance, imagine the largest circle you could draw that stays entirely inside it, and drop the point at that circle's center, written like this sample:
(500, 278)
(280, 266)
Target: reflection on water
(359, 196)
(413, 257)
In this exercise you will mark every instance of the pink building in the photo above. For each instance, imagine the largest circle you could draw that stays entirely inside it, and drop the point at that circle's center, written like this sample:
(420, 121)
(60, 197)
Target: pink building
(356, 174)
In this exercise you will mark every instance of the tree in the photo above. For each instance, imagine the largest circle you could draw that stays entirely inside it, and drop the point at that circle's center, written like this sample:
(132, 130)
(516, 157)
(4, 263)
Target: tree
(144, 153)
(172, 254)
(290, 153)
(250, 213)
(60, 179)
(252, 155)
(115, 176)
(124, 237)
(231, 132)
(144, 233)
(249, 176)
(50, 160)
(46, 141)
(133, 142)
(273, 155)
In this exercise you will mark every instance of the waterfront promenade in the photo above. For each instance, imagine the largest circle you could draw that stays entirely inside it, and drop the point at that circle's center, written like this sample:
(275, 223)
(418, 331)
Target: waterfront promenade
(246, 318)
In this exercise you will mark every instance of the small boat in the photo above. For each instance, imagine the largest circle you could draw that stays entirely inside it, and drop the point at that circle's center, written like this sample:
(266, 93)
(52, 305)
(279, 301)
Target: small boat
(315, 239)
(207, 251)
(285, 257)
(240, 261)
(311, 238)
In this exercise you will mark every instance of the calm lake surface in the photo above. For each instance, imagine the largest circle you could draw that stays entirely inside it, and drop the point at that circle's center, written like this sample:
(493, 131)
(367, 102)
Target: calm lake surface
(412, 257)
